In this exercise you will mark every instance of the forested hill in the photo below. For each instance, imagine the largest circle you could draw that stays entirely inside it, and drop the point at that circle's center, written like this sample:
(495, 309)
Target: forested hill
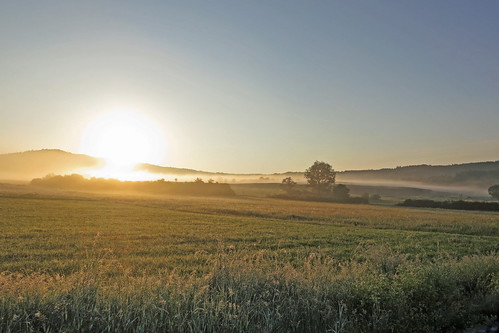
(38, 163)
(474, 174)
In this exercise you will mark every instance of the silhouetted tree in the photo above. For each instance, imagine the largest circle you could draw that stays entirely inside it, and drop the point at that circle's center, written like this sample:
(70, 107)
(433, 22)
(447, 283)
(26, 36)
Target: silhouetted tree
(494, 191)
(288, 184)
(198, 180)
(321, 176)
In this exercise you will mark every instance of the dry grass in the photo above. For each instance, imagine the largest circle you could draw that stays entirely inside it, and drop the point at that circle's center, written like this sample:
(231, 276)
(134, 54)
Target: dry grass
(123, 263)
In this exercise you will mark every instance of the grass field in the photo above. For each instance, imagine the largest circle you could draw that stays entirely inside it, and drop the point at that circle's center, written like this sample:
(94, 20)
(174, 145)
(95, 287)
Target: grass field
(112, 262)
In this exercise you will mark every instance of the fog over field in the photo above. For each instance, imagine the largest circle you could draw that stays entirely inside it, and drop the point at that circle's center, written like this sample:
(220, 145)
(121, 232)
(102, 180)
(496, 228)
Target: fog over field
(281, 166)
(471, 179)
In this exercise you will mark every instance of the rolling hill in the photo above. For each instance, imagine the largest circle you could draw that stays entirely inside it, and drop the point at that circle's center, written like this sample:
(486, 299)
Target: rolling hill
(38, 163)
(478, 174)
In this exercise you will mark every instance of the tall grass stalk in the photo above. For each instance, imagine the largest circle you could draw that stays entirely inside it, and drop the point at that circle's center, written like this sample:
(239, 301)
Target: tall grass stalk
(259, 293)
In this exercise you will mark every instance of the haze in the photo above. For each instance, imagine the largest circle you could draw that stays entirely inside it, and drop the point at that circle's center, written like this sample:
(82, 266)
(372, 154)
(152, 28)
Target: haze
(257, 87)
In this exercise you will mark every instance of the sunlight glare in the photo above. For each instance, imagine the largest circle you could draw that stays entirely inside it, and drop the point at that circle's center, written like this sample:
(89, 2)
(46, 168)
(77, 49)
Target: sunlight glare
(123, 138)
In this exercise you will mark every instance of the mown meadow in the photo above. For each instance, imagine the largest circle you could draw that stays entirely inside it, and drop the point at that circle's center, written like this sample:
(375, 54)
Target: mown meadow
(77, 262)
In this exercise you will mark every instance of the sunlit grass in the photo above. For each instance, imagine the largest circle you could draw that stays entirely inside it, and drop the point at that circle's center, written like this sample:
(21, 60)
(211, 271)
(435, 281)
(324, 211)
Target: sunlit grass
(384, 292)
(87, 262)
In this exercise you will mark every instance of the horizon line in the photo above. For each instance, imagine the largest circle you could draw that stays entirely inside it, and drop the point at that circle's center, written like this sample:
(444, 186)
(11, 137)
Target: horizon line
(272, 173)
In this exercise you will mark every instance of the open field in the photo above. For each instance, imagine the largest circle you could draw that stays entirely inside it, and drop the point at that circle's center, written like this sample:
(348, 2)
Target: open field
(97, 262)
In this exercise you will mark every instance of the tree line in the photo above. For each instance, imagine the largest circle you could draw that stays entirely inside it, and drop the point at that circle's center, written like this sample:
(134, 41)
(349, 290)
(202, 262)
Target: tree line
(321, 179)
(78, 182)
(460, 204)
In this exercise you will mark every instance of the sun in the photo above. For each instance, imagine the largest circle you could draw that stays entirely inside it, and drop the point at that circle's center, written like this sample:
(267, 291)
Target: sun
(124, 138)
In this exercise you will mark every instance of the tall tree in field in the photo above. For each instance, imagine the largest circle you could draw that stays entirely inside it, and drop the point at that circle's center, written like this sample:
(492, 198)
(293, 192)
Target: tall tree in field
(494, 191)
(321, 176)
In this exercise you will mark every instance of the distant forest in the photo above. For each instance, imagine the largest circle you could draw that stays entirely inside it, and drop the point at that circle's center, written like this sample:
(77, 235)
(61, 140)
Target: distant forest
(482, 174)
(31, 164)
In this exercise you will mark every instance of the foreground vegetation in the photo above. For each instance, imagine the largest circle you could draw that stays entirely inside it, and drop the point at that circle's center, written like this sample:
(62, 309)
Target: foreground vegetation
(87, 262)
(379, 294)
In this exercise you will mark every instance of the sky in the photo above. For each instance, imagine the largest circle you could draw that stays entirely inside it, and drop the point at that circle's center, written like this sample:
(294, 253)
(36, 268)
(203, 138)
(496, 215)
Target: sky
(258, 86)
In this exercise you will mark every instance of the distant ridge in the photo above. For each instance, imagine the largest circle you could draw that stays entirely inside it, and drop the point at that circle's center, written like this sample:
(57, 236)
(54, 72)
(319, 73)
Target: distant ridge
(183, 171)
(170, 170)
(476, 174)
(38, 163)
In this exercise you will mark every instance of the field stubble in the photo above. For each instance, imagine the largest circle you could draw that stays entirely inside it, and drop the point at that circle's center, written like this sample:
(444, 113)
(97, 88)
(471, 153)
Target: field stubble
(128, 263)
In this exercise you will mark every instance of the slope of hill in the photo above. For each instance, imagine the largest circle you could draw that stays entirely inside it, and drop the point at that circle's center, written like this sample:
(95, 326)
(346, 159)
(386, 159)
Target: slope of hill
(33, 164)
(222, 177)
(38, 163)
(151, 168)
(479, 174)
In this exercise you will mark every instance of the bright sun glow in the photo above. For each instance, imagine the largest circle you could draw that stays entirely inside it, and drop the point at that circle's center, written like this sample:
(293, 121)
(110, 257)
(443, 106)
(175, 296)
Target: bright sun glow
(123, 138)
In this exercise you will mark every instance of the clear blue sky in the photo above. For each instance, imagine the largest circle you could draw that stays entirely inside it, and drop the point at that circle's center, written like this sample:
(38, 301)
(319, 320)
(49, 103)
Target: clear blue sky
(259, 86)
